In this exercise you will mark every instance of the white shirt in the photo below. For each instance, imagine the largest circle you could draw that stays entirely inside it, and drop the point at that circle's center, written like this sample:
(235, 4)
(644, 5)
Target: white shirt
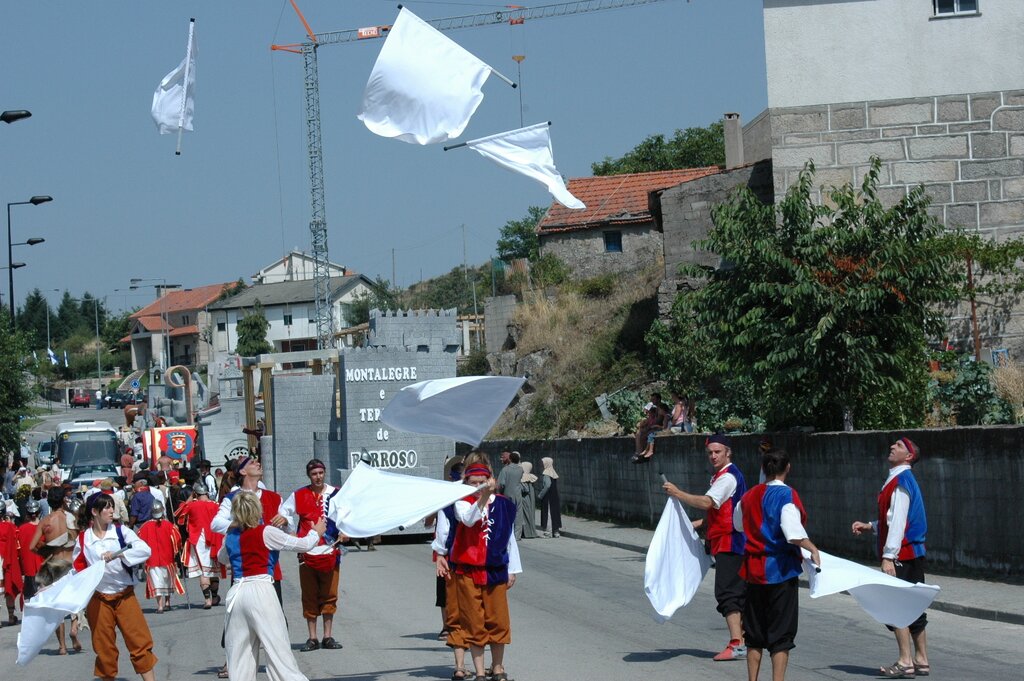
(275, 540)
(896, 518)
(222, 521)
(117, 573)
(789, 519)
(441, 530)
(722, 489)
(292, 515)
(470, 514)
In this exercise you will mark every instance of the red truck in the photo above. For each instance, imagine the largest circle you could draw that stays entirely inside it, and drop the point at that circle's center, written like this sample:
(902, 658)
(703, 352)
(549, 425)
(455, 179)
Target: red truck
(80, 400)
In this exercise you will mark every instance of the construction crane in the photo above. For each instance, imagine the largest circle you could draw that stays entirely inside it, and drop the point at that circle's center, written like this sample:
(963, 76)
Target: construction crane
(318, 215)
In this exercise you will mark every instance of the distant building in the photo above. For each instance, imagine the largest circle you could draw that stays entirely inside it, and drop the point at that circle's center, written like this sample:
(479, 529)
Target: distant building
(295, 266)
(618, 231)
(289, 308)
(177, 322)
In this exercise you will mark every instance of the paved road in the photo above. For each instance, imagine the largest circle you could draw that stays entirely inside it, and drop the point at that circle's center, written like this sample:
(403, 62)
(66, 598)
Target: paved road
(578, 613)
(48, 427)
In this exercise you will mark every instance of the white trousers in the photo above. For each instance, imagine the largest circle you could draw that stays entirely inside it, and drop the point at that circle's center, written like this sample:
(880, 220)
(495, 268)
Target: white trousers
(253, 617)
(199, 562)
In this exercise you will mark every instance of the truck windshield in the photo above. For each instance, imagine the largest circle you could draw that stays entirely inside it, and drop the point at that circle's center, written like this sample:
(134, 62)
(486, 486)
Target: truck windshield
(76, 448)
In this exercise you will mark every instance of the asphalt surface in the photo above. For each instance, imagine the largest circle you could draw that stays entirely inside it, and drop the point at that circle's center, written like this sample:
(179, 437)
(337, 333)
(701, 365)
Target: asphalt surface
(578, 612)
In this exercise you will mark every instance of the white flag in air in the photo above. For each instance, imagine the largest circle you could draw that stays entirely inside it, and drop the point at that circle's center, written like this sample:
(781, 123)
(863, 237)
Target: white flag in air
(174, 99)
(373, 501)
(424, 87)
(48, 608)
(528, 151)
(676, 562)
(52, 356)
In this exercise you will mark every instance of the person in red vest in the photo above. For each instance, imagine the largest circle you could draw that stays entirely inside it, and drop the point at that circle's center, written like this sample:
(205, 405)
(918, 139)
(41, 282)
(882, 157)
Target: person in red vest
(10, 565)
(726, 543)
(29, 560)
(164, 540)
(901, 528)
(253, 617)
(203, 543)
(318, 573)
(772, 519)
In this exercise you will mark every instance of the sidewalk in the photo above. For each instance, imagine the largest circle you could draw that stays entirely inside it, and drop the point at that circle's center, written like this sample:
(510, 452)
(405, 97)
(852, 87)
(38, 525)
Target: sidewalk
(966, 597)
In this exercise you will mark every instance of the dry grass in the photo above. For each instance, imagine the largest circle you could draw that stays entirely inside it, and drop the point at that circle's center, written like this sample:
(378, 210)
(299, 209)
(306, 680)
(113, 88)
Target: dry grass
(1009, 383)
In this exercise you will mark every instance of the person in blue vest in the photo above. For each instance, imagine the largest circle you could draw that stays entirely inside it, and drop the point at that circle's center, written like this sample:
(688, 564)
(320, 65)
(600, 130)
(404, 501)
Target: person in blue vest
(773, 522)
(901, 528)
(724, 541)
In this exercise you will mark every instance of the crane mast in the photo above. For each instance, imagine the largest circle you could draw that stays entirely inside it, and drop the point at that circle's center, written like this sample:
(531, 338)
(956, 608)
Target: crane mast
(308, 50)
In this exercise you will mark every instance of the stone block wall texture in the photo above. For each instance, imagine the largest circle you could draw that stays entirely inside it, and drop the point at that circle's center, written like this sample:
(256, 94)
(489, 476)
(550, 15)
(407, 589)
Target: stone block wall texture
(583, 250)
(971, 479)
(435, 329)
(498, 312)
(302, 412)
(966, 150)
(686, 218)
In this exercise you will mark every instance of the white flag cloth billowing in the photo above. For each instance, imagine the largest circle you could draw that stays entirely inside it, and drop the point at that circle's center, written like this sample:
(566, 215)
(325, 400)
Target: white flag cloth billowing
(676, 562)
(52, 355)
(373, 501)
(174, 99)
(887, 599)
(424, 87)
(67, 596)
(462, 409)
(527, 151)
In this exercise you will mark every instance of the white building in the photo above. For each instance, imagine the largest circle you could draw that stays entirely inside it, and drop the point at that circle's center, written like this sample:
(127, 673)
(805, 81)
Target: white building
(295, 266)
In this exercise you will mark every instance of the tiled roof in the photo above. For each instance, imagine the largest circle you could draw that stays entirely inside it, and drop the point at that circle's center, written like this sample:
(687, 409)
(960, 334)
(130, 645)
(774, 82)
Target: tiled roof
(183, 300)
(614, 199)
(288, 292)
(152, 322)
(189, 330)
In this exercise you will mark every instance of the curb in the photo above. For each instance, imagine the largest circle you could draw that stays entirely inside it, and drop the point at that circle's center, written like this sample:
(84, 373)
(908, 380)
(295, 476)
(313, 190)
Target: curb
(941, 606)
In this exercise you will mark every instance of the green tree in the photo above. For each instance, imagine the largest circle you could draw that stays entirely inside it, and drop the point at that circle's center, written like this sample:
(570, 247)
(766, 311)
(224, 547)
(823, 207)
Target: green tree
(380, 297)
(32, 319)
(825, 307)
(519, 237)
(116, 327)
(15, 391)
(69, 318)
(690, 148)
(252, 333)
(454, 289)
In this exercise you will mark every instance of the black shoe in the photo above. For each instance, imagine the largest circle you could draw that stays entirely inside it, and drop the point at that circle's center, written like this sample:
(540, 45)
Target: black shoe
(310, 645)
(330, 644)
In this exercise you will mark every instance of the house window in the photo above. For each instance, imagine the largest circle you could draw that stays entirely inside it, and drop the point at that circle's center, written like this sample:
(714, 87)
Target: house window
(185, 320)
(222, 326)
(287, 318)
(951, 7)
(613, 242)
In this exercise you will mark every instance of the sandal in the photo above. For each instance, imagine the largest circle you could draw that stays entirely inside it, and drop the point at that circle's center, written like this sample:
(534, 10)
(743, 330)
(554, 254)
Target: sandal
(922, 669)
(897, 671)
(459, 674)
(75, 645)
(223, 673)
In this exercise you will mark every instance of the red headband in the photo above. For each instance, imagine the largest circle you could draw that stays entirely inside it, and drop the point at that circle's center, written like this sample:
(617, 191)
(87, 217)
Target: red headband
(477, 469)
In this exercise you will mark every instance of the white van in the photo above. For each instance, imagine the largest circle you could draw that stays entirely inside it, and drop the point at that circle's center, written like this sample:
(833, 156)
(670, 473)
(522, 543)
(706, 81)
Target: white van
(86, 442)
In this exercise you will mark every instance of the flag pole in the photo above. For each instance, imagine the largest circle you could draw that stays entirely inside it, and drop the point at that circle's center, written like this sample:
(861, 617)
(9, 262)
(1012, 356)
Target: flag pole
(463, 144)
(184, 88)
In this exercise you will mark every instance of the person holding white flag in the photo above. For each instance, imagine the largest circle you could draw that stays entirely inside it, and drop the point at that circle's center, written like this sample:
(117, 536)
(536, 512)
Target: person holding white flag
(772, 519)
(424, 87)
(901, 529)
(527, 151)
(174, 99)
(114, 605)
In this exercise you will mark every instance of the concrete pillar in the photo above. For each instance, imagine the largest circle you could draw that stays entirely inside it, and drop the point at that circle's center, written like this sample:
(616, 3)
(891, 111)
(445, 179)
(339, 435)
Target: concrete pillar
(268, 398)
(733, 141)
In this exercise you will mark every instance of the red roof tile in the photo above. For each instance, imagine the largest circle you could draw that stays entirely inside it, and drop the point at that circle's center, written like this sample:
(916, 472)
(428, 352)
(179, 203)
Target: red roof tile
(614, 199)
(189, 330)
(183, 300)
(152, 323)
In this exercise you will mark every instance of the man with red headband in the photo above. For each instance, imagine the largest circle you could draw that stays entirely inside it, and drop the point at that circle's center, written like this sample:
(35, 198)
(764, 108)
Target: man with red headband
(484, 560)
(319, 570)
(726, 542)
(901, 528)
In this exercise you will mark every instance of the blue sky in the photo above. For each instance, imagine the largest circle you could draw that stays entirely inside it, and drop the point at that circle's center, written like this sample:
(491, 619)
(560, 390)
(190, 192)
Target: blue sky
(238, 197)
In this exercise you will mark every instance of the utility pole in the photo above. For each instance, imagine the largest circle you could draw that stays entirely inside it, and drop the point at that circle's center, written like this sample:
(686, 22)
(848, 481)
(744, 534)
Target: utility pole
(394, 282)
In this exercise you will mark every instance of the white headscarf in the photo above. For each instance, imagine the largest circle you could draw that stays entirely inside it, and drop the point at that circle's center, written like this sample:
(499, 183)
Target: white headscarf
(528, 476)
(549, 467)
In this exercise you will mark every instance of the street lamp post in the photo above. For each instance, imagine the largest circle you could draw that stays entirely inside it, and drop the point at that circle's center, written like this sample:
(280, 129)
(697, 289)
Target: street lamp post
(96, 314)
(135, 284)
(35, 201)
(49, 349)
(15, 115)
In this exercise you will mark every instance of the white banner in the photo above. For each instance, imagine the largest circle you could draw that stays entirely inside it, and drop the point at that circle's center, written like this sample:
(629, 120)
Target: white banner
(174, 99)
(676, 562)
(424, 87)
(67, 596)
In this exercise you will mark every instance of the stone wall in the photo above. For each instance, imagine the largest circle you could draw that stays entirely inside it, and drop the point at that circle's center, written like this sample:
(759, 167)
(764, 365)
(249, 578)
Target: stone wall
(583, 250)
(686, 217)
(303, 416)
(971, 479)
(967, 150)
(498, 312)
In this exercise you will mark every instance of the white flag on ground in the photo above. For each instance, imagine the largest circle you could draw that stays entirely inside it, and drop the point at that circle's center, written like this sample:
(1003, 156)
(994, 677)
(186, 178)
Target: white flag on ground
(528, 151)
(174, 99)
(67, 596)
(424, 87)
(53, 356)
(887, 599)
(373, 501)
(462, 409)
(676, 562)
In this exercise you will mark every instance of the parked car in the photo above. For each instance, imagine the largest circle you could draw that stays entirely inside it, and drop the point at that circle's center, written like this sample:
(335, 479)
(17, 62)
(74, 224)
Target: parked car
(123, 398)
(88, 473)
(44, 453)
(80, 400)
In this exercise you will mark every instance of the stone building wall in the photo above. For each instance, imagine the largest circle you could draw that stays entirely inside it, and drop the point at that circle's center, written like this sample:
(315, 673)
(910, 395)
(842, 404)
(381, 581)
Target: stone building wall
(967, 150)
(584, 251)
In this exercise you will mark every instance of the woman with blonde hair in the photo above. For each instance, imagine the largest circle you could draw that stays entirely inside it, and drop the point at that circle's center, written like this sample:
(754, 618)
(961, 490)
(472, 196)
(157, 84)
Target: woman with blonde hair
(254, 615)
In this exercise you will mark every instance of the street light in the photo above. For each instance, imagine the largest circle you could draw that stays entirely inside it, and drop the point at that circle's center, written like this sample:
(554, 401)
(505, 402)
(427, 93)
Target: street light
(15, 115)
(137, 283)
(35, 201)
(96, 310)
